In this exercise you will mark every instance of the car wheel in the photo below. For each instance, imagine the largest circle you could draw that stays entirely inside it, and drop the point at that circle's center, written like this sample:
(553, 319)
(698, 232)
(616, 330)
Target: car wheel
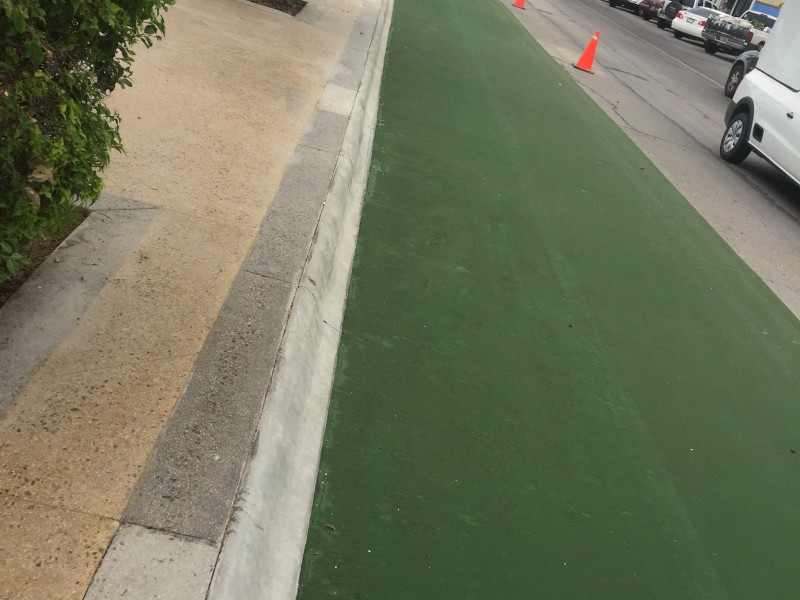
(678, 35)
(734, 146)
(661, 24)
(612, 3)
(644, 15)
(710, 47)
(734, 79)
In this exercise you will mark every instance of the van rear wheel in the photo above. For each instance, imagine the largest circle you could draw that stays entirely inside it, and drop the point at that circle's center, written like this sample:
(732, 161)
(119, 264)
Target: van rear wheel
(734, 146)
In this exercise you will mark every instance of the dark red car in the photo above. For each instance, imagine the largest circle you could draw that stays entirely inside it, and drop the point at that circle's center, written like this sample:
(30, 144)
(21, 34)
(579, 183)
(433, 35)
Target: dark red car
(648, 9)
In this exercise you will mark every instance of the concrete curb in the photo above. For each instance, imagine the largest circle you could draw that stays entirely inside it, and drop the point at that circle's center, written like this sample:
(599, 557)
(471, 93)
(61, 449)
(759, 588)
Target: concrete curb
(263, 550)
(286, 302)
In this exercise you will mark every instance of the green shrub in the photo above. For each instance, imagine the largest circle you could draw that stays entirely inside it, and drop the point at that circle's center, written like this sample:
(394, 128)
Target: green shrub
(58, 61)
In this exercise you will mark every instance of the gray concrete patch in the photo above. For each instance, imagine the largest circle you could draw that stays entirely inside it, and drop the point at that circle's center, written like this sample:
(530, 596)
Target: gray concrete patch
(325, 131)
(142, 564)
(337, 99)
(263, 550)
(311, 13)
(282, 243)
(46, 308)
(348, 71)
(191, 481)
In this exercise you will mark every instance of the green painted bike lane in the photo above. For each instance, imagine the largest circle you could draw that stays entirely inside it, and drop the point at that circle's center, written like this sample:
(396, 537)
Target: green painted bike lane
(555, 380)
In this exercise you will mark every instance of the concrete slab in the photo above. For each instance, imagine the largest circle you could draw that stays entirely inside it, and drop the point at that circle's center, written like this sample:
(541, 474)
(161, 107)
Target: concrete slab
(337, 99)
(281, 247)
(80, 440)
(326, 129)
(349, 68)
(142, 564)
(47, 552)
(44, 310)
(162, 300)
(245, 101)
(191, 481)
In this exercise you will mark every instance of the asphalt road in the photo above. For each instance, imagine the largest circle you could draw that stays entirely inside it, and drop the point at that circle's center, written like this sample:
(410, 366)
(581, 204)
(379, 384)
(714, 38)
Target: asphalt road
(667, 95)
(687, 52)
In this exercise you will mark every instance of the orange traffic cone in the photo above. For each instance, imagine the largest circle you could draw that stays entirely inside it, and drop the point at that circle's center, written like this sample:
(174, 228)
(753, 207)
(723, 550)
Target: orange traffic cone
(520, 4)
(587, 58)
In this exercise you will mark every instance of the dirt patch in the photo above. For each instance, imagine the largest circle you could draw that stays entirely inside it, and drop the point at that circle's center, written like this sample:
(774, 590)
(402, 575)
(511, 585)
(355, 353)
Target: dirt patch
(37, 253)
(288, 6)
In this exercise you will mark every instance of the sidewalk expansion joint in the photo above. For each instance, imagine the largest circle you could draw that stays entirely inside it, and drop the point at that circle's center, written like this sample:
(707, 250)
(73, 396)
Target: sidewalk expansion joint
(173, 533)
(265, 276)
(58, 507)
(311, 147)
(149, 361)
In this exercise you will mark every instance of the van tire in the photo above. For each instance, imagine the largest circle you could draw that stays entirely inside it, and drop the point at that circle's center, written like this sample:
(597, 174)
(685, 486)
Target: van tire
(671, 9)
(734, 146)
(710, 47)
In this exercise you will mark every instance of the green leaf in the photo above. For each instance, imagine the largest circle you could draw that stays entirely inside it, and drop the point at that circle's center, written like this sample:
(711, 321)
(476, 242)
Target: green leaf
(34, 52)
(12, 266)
(18, 19)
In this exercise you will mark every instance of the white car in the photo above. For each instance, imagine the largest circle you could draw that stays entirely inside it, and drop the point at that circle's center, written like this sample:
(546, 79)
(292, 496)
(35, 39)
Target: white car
(690, 22)
(764, 115)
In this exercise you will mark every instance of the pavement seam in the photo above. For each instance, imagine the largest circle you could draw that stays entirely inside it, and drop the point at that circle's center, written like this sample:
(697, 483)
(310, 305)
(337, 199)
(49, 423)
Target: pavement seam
(312, 147)
(58, 507)
(124, 364)
(264, 275)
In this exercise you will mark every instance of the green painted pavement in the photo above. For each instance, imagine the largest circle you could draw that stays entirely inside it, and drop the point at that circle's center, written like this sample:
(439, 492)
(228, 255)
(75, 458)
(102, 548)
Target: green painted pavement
(555, 380)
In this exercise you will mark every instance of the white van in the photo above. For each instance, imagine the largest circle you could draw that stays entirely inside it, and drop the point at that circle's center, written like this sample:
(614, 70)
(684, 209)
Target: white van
(764, 114)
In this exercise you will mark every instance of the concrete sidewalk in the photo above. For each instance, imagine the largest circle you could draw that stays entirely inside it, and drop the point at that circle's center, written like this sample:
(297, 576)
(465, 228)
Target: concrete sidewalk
(122, 407)
(555, 380)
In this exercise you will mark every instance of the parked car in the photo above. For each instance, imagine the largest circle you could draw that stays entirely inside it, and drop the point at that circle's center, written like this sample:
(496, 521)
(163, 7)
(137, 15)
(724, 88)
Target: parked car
(629, 4)
(743, 64)
(648, 9)
(670, 9)
(764, 114)
(691, 22)
(736, 34)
